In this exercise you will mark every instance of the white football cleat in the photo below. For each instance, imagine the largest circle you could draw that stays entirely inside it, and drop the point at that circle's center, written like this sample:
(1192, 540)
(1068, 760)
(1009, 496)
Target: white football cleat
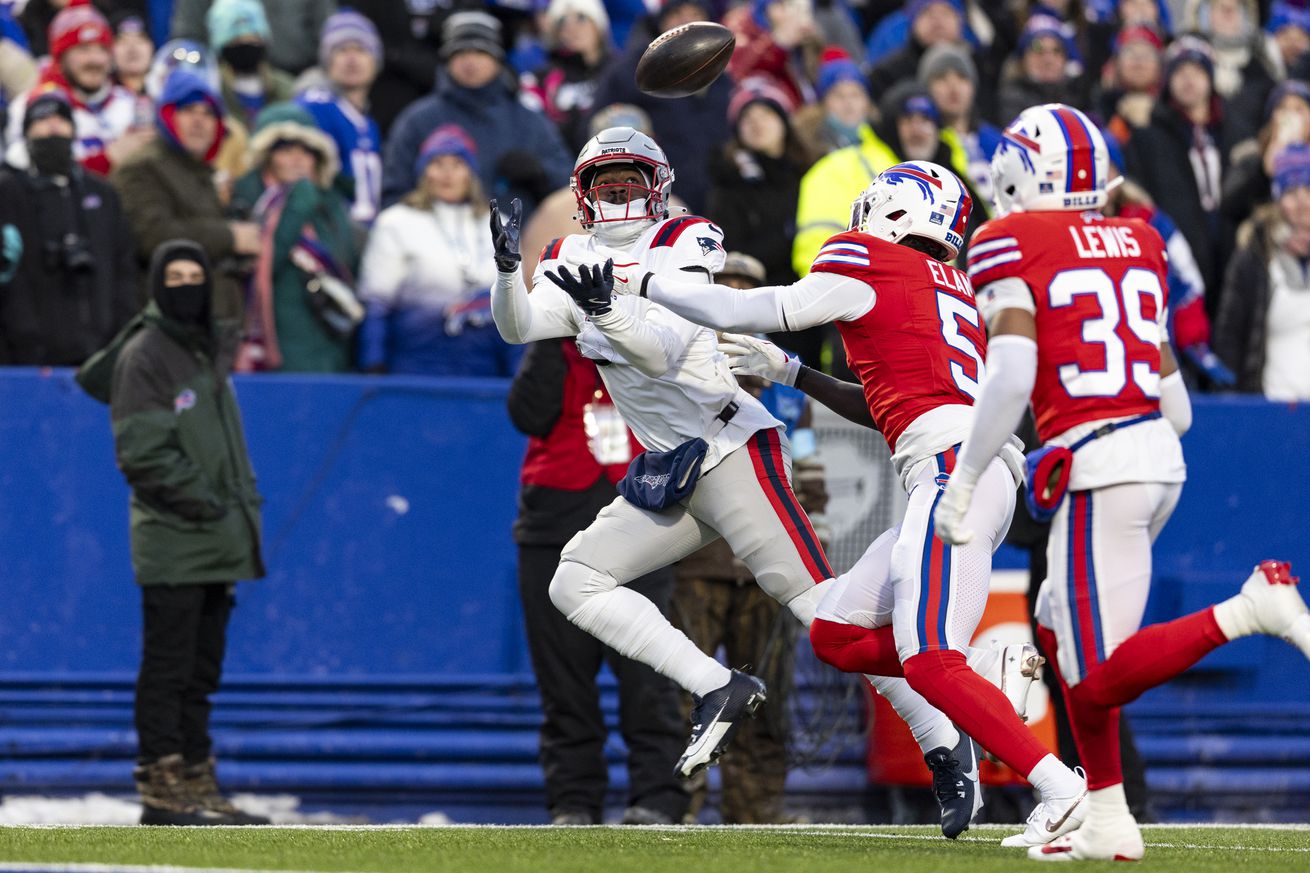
(1052, 818)
(1012, 668)
(1117, 840)
(1275, 604)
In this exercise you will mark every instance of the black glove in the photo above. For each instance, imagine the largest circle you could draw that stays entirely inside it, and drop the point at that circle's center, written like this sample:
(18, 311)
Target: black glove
(592, 290)
(505, 236)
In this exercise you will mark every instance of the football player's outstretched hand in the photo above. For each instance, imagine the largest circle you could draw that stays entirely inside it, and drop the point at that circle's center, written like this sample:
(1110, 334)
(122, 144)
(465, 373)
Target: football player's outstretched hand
(750, 356)
(505, 236)
(950, 513)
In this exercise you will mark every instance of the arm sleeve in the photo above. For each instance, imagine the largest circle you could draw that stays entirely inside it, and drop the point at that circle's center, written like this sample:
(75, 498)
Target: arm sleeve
(819, 298)
(1175, 404)
(1003, 294)
(522, 317)
(649, 340)
(1011, 372)
(385, 262)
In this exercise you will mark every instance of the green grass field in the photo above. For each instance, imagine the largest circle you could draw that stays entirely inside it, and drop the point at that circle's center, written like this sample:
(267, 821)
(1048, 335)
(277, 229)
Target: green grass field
(809, 849)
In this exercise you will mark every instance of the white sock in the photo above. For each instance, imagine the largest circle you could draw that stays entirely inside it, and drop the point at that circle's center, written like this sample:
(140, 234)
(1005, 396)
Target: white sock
(1235, 617)
(803, 605)
(1107, 803)
(1052, 779)
(633, 626)
(931, 729)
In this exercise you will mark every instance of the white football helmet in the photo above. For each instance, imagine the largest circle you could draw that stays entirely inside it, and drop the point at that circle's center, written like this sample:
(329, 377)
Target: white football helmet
(1051, 158)
(916, 199)
(622, 146)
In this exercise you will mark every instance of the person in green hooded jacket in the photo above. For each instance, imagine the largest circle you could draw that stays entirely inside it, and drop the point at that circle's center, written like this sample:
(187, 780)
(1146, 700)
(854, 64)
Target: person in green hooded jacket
(302, 311)
(195, 525)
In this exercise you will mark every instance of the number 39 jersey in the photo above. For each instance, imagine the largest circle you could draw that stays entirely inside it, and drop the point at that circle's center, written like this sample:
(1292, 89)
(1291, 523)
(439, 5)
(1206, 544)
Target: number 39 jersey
(1096, 287)
(918, 351)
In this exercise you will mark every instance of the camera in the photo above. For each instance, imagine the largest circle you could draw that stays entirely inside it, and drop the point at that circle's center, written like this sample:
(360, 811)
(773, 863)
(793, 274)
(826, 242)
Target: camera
(70, 253)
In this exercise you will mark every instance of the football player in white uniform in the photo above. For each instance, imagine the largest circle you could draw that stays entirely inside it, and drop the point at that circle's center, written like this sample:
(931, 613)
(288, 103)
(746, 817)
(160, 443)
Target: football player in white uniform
(672, 387)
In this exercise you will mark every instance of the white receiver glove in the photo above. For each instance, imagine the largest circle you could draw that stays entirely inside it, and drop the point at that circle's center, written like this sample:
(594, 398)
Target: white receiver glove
(750, 356)
(951, 509)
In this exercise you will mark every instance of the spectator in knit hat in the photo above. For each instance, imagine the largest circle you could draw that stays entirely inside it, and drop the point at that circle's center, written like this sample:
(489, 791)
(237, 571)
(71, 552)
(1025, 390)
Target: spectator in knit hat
(1180, 156)
(293, 25)
(777, 40)
(302, 312)
(1262, 328)
(949, 74)
(1248, 179)
(239, 34)
(756, 178)
(75, 283)
(1131, 82)
(349, 56)
(104, 114)
(686, 127)
(168, 190)
(840, 118)
(133, 51)
(1288, 40)
(580, 47)
(1044, 70)
(520, 152)
(932, 22)
(427, 272)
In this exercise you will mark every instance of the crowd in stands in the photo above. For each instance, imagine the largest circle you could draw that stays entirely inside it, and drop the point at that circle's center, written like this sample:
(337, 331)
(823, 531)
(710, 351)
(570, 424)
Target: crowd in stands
(335, 164)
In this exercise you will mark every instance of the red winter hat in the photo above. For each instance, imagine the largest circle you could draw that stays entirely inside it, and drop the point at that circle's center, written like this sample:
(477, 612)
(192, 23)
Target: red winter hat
(79, 23)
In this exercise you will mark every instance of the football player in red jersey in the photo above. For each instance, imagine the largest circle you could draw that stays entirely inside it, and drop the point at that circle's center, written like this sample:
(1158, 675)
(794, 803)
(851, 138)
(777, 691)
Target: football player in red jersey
(914, 337)
(1075, 303)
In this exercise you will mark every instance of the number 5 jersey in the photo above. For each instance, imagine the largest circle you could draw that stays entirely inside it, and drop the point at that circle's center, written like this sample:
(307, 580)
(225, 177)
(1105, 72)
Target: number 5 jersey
(917, 347)
(1096, 288)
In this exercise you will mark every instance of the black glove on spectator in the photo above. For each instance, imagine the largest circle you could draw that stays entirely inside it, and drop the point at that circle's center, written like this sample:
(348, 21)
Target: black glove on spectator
(505, 236)
(592, 290)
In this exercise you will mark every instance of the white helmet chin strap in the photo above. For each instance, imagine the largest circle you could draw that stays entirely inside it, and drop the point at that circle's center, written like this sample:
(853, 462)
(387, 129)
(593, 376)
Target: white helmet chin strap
(616, 231)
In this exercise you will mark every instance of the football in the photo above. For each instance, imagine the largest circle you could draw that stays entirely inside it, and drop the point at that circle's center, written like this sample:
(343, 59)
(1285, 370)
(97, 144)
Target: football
(685, 59)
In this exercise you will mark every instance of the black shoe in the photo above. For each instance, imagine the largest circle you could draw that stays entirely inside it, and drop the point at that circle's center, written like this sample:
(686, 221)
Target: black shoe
(158, 816)
(955, 784)
(715, 720)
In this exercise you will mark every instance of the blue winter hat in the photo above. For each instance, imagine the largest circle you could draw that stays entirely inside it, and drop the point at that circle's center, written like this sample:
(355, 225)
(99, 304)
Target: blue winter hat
(1291, 169)
(230, 20)
(1283, 14)
(449, 139)
(1188, 49)
(914, 7)
(1288, 87)
(837, 67)
(1040, 26)
(920, 104)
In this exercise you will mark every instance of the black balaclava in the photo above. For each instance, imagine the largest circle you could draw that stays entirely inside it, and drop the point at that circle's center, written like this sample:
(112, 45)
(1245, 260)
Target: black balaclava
(187, 305)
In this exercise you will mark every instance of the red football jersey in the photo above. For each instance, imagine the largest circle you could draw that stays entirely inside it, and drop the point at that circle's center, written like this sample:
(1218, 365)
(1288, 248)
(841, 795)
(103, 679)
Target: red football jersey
(1099, 291)
(922, 345)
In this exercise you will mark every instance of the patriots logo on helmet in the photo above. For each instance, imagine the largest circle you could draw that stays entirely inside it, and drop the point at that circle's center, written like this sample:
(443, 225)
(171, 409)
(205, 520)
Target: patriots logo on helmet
(709, 245)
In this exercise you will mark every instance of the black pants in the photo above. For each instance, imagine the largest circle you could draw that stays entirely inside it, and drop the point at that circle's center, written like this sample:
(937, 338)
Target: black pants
(184, 635)
(566, 660)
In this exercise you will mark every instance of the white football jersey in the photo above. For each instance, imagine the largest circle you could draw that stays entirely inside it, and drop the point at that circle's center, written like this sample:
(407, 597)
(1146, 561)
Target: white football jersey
(683, 402)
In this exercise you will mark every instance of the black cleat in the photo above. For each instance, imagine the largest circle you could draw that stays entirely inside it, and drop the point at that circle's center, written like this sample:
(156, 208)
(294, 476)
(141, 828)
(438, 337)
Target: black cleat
(955, 784)
(715, 720)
